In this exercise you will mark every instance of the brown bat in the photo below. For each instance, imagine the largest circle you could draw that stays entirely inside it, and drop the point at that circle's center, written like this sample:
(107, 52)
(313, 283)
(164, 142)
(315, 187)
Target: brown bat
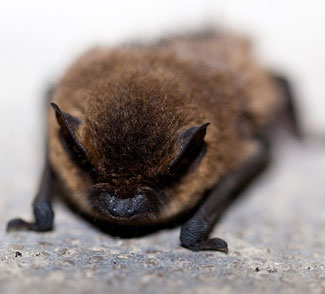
(143, 134)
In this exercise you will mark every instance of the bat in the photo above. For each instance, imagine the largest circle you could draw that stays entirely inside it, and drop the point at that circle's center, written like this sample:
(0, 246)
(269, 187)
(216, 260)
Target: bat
(141, 134)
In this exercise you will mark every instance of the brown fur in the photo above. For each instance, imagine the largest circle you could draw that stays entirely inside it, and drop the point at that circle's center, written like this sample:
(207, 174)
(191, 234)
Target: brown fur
(134, 101)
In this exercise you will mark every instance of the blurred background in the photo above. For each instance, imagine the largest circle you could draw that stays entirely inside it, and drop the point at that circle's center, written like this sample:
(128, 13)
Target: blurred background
(39, 39)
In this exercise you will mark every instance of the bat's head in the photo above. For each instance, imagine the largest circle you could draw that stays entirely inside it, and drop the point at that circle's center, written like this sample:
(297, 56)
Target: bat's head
(135, 151)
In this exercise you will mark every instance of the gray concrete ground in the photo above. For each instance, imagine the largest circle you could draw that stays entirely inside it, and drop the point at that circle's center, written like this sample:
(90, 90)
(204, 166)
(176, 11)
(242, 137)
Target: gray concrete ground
(275, 234)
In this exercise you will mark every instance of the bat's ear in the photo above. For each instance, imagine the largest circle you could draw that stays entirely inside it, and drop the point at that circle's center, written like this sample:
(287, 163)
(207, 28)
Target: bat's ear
(191, 148)
(69, 125)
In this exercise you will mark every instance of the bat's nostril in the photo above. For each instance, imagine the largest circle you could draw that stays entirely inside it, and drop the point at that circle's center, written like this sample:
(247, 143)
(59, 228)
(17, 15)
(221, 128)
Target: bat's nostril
(138, 200)
(109, 199)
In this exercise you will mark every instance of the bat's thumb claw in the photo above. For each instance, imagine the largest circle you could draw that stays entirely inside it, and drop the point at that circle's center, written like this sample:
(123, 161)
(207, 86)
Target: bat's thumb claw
(17, 224)
(215, 244)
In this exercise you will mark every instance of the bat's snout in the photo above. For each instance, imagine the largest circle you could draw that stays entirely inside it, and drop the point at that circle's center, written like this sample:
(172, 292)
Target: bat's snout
(121, 208)
(125, 208)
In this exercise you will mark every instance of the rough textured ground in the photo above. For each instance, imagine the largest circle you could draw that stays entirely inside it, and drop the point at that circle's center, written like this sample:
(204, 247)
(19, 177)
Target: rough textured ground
(275, 232)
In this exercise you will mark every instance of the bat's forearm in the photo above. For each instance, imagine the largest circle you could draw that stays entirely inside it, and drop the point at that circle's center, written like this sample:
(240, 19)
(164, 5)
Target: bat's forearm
(195, 231)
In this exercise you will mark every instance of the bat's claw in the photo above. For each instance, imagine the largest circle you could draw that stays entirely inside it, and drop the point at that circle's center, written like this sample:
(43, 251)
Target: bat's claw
(18, 224)
(215, 244)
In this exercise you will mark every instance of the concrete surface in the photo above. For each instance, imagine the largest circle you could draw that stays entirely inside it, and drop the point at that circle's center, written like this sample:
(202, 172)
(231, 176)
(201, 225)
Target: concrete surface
(275, 234)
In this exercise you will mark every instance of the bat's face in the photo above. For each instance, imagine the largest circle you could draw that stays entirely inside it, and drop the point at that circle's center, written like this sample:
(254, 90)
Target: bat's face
(133, 161)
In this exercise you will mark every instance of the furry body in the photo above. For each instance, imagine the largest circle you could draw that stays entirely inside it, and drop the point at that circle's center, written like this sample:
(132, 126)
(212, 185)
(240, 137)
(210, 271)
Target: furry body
(135, 110)
(138, 99)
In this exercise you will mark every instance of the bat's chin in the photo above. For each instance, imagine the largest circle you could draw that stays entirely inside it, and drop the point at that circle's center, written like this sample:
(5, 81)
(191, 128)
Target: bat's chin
(140, 218)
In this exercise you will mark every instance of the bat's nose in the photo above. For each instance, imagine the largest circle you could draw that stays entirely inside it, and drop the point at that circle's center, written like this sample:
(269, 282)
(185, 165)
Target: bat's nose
(125, 208)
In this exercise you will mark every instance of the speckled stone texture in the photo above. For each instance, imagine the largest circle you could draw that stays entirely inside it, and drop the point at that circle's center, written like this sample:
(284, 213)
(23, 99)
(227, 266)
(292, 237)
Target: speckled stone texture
(275, 232)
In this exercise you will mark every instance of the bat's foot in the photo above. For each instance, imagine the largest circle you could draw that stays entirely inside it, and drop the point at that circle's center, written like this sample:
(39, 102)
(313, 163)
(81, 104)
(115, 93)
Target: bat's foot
(44, 220)
(18, 224)
(193, 237)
